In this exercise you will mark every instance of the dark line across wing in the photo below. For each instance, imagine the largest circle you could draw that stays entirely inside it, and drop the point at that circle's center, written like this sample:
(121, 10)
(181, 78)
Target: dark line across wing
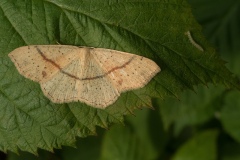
(87, 78)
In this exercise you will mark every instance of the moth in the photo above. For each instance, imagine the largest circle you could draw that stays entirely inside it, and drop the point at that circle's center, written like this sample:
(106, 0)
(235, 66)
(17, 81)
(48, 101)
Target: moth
(95, 76)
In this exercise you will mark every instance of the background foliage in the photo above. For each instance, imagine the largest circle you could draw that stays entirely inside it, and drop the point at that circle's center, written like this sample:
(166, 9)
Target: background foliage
(204, 124)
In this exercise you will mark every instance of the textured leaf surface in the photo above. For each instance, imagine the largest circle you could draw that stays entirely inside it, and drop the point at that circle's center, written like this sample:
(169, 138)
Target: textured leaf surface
(220, 21)
(201, 146)
(154, 29)
(222, 27)
(28, 156)
(86, 148)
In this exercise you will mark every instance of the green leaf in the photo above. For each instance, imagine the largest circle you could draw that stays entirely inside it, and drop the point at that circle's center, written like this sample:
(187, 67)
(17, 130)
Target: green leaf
(220, 21)
(135, 140)
(154, 29)
(230, 114)
(201, 146)
(87, 148)
(229, 150)
(119, 144)
(44, 155)
(192, 109)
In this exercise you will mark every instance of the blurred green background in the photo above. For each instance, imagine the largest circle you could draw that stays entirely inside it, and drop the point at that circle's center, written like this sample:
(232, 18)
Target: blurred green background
(203, 125)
